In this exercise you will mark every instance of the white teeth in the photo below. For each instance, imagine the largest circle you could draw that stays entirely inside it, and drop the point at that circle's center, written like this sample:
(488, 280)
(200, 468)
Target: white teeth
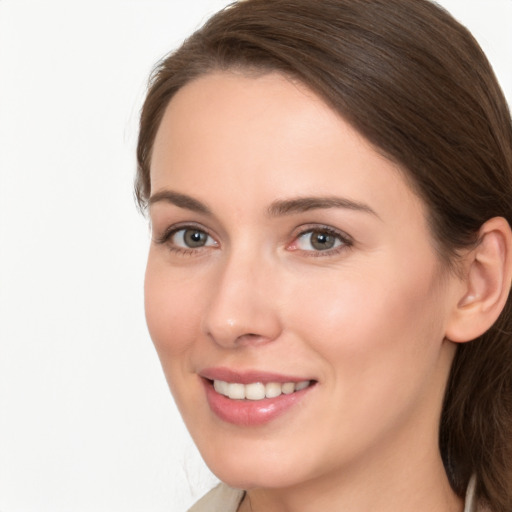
(221, 387)
(288, 388)
(301, 385)
(257, 390)
(272, 389)
(236, 391)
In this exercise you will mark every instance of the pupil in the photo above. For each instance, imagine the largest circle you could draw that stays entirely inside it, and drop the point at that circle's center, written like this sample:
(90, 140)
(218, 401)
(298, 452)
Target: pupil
(322, 241)
(195, 238)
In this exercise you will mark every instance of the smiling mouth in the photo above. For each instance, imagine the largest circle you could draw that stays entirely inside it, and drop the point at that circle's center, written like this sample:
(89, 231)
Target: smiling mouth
(253, 398)
(258, 390)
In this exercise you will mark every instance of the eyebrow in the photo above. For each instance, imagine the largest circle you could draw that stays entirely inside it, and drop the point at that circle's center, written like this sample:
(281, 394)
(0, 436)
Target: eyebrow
(304, 204)
(180, 200)
(278, 208)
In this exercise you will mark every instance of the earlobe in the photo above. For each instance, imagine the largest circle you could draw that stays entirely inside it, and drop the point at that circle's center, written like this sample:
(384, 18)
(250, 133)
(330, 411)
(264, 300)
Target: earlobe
(487, 282)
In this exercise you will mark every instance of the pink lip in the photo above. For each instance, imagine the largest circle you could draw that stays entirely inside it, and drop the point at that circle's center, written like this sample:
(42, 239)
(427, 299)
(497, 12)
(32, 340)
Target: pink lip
(246, 377)
(249, 413)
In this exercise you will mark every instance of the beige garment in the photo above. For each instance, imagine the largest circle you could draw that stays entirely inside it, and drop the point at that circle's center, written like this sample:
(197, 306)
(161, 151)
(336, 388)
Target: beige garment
(220, 499)
(224, 499)
(470, 505)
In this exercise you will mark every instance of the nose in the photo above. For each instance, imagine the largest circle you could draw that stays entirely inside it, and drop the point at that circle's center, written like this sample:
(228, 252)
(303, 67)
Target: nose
(242, 307)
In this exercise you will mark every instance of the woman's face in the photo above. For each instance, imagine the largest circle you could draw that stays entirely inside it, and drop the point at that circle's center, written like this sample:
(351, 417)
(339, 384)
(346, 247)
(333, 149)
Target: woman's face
(286, 252)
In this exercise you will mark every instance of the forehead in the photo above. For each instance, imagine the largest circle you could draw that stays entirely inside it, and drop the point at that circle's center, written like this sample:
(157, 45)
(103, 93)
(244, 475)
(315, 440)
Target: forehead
(262, 114)
(262, 137)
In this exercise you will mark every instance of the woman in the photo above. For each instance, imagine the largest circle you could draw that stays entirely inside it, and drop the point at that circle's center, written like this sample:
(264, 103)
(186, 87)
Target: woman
(328, 282)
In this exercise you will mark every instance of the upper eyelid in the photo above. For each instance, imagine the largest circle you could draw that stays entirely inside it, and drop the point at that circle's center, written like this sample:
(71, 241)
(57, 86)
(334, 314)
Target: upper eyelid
(302, 230)
(296, 233)
(174, 228)
(347, 242)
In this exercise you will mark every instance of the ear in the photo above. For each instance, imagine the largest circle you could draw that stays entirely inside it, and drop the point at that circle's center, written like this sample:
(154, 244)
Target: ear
(486, 283)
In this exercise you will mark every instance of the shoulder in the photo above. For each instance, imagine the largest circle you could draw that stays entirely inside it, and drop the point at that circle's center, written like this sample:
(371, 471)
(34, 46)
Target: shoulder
(220, 499)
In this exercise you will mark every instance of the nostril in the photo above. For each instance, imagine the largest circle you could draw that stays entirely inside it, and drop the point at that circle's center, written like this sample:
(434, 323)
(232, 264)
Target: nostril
(251, 338)
(231, 320)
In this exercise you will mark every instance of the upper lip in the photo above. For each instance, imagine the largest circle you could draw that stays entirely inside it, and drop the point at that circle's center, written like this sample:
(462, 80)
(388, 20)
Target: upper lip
(247, 376)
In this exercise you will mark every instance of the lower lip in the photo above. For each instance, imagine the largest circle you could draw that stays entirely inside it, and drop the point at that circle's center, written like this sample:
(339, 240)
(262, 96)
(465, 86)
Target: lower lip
(248, 413)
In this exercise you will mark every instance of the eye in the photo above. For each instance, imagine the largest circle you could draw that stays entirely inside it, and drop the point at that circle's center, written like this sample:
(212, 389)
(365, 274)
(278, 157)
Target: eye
(320, 240)
(191, 238)
(185, 240)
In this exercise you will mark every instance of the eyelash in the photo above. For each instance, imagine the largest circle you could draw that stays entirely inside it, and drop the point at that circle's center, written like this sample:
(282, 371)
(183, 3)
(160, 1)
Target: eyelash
(345, 241)
(172, 230)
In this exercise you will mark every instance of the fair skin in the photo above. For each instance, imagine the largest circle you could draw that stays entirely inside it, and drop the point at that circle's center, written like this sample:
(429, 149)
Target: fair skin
(344, 291)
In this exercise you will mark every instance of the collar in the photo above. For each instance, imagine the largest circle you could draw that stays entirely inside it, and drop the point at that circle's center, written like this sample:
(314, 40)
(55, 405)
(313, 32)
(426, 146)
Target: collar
(470, 504)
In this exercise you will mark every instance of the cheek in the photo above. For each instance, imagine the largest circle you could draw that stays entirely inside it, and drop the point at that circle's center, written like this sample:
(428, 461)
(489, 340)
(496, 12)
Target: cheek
(381, 347)
(171, 316)
(372, 321)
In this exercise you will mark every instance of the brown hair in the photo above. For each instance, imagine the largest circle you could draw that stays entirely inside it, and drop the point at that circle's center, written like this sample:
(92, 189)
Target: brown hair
(416, 84)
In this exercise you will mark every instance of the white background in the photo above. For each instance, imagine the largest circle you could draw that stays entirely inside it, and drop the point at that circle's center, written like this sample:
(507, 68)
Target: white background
(86, 421)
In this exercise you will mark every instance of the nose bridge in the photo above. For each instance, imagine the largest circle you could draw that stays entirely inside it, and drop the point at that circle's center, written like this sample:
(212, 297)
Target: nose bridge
(240, 308)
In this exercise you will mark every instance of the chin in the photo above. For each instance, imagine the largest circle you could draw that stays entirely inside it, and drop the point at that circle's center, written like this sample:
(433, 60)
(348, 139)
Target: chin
(243, 477)
(256, 466)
